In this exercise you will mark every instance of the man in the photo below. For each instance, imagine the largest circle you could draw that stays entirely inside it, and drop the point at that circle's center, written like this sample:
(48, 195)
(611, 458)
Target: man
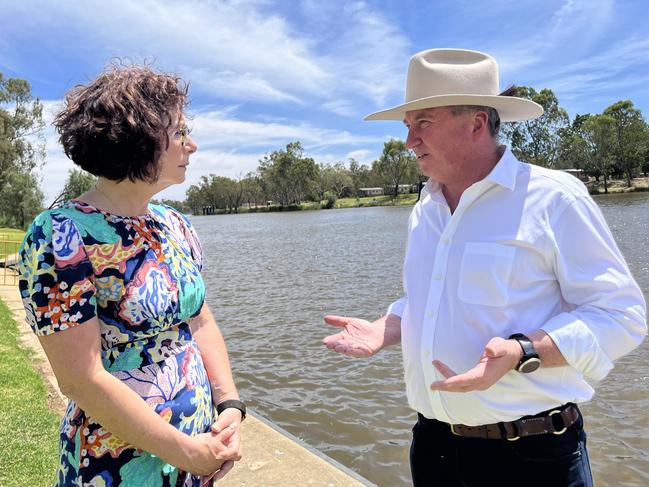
(515, 297)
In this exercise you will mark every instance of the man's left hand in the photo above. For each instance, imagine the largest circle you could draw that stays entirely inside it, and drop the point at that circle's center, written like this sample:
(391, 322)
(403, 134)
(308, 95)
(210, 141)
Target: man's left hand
(499, 357)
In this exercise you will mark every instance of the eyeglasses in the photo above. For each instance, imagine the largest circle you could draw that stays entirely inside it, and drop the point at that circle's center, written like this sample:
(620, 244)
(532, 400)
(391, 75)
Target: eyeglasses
(182, 133)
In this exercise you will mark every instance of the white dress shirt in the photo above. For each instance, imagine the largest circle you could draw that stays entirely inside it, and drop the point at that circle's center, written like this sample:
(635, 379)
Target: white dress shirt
(526, 248)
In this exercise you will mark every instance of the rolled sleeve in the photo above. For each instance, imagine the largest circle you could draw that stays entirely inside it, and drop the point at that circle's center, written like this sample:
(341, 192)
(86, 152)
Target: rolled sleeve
(397, 307)
(608, 314)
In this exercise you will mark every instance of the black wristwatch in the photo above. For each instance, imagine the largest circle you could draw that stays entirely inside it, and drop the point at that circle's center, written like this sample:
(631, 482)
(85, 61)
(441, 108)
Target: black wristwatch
(232, 403)
(530, 360)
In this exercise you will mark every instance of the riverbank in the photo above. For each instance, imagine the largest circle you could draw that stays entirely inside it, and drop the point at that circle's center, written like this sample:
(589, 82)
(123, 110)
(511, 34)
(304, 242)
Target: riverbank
(594, 188)
(32, 404)
(361, 202)
(618, 186)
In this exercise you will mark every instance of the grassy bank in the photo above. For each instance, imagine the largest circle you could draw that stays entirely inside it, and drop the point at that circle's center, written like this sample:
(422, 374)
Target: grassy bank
(28, 429)
(400, 200)
(618, 186)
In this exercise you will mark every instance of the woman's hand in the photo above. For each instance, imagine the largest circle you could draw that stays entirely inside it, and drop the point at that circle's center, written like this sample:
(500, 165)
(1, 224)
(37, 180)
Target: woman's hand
(229, 419)
(210, 451)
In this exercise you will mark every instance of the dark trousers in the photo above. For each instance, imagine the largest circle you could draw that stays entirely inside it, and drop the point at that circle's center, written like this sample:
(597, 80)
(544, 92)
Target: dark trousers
(441, 459)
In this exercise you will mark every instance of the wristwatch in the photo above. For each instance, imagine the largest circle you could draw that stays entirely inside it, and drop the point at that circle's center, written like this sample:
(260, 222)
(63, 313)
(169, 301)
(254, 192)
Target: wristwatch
(530, 360)
(232, 403)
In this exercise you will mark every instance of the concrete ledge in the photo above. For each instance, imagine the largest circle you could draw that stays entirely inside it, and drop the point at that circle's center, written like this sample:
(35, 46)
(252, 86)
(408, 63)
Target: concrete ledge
(272, 456)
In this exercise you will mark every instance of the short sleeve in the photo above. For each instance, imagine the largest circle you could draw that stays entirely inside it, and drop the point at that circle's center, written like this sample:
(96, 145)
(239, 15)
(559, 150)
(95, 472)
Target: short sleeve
(56, 279)
(191, 237)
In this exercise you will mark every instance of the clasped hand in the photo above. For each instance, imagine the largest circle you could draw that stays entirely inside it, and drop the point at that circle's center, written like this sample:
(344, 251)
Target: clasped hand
(499, 357)
(220, 448)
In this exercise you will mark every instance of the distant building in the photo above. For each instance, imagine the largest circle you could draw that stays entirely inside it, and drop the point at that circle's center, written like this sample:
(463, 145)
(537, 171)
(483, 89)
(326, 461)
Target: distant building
(407, 188)
(578, 173)
(370, 191)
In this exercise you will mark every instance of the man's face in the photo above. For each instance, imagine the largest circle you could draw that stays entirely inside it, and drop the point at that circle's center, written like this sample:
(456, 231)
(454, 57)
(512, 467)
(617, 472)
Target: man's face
(441, 142)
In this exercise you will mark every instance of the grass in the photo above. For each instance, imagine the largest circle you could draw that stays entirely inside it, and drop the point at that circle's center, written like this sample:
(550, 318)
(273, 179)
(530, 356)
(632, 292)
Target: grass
(618, 186)
(28, 429)
(400, 200)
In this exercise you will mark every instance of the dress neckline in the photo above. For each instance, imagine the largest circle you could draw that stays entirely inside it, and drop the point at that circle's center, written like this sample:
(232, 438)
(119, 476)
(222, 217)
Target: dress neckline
(82, 204)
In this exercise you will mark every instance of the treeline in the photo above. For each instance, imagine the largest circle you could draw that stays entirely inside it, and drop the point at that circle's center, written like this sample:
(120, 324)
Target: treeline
(611, 145)
(287, 178)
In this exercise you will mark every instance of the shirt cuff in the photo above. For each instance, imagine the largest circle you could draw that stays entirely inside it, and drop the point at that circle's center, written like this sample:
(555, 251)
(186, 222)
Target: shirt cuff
(397, 307)
(578, 345)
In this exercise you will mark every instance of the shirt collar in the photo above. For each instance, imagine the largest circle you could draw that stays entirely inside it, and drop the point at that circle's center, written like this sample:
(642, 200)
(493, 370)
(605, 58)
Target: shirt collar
(504, 174)
(505, 171)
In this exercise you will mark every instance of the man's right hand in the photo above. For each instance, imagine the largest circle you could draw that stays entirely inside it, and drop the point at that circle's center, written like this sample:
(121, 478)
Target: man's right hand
(360, 338)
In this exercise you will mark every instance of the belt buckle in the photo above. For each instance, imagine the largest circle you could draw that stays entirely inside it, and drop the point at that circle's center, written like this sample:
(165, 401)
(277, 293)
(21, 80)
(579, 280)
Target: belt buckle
(517, 437)
(556, 411)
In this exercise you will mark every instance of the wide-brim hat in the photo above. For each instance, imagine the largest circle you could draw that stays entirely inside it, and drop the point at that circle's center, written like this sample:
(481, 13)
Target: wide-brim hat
(448, 77)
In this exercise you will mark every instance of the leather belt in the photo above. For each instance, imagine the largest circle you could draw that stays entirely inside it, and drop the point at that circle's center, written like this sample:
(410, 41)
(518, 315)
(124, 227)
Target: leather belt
(555, 421)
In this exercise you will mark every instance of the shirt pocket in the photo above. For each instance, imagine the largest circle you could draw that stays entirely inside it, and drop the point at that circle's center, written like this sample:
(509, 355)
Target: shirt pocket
(484, 273)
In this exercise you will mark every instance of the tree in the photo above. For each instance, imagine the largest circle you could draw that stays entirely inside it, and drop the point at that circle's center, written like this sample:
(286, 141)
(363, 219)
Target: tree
(22, 150)
(332, 178)
(77, 183)
(630, 128)
(20, 200)
(286, 175)
(253, 192)
(537, 141)
(360, 174)
(395, 164)
(599, 136)
(572, 151)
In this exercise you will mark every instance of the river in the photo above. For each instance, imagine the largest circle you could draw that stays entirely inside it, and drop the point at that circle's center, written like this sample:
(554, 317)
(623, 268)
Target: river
(271, 278)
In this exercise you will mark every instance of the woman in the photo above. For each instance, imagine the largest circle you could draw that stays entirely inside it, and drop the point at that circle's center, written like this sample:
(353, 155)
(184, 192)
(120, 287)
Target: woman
(111, 285)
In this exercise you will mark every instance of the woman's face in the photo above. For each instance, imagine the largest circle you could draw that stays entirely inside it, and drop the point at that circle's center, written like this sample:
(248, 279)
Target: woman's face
(174, 161)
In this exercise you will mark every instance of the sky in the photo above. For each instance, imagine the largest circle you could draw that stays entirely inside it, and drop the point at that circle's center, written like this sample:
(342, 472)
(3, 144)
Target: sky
(264, 73)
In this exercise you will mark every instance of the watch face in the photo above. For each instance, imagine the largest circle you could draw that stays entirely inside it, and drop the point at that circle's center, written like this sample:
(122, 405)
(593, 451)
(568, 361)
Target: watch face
(530, 365)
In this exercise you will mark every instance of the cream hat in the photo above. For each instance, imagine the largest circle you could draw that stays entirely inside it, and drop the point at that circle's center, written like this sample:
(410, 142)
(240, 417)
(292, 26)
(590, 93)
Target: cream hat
(446, 77)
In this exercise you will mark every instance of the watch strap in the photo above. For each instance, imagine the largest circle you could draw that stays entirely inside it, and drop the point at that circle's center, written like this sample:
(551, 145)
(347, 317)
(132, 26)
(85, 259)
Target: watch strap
(530, 361)
(232, 403)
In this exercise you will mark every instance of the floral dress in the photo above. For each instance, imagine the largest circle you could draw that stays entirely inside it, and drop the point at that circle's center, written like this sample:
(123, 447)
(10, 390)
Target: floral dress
(141, 277)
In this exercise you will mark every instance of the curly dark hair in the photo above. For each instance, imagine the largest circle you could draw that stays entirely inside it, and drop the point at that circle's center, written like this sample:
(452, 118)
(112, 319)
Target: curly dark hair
(118, 125)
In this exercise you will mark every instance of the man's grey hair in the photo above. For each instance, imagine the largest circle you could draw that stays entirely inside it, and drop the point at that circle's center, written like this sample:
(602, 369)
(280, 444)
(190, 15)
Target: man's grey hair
(493, 121)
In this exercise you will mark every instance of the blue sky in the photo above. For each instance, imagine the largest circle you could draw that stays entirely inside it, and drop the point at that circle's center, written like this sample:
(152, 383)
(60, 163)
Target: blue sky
(264, 73)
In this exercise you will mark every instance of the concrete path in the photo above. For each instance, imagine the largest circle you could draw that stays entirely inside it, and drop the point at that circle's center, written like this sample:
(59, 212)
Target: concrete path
(272, 457)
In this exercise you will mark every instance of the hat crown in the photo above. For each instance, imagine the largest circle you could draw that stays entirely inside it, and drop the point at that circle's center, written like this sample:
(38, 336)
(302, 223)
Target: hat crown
(439, 72)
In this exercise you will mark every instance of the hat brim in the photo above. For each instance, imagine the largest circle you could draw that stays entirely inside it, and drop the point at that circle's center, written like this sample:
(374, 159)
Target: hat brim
(510, 109)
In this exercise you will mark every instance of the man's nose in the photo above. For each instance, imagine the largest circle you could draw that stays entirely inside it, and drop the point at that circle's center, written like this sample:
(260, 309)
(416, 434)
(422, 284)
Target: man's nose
(412, 140)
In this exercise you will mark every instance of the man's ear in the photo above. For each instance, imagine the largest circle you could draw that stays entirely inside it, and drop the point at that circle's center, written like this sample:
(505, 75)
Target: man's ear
(480, 122)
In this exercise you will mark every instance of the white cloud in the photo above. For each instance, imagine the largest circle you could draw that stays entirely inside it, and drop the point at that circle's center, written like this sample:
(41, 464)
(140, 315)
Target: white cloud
(213, 129)
(363, 156)
(217, 44)
(227, 147)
